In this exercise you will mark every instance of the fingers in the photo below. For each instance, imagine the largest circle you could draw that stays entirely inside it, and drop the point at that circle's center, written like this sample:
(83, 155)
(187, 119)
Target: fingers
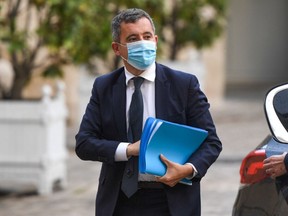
(166, 181)
(275, 169)
(173, 174)
(164, 160)
(267, 160)
(275, 158)
(168, 177)
(272, 173)
(272, 159)
(133, 149)
(269, 171)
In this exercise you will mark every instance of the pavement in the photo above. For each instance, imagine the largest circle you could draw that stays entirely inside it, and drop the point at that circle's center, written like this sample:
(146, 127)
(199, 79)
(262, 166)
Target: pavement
(241, 125)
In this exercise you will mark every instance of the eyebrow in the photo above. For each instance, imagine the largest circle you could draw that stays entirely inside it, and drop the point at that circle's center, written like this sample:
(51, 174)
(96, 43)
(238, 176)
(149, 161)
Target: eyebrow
(135, 35)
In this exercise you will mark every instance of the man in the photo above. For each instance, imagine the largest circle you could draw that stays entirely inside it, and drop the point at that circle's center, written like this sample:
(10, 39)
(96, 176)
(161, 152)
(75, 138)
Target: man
(105, 129)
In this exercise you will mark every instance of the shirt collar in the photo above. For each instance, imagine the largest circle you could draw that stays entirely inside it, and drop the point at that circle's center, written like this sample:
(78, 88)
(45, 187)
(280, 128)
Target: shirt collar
(148, 74)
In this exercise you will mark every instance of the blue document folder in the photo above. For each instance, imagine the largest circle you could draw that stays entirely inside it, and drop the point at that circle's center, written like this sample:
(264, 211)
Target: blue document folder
(175, 141)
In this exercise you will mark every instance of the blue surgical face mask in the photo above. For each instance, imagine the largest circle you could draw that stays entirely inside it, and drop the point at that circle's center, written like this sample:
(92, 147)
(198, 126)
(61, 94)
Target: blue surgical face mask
(141, 54)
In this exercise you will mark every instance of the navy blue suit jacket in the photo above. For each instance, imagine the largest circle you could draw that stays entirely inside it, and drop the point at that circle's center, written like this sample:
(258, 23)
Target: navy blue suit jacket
(178, 99)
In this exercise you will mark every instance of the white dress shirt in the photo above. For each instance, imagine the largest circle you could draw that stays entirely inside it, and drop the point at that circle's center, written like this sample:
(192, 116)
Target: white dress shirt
(148, 94)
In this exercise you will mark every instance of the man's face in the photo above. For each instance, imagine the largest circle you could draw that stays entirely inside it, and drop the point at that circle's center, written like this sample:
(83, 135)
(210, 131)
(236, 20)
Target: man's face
(131, 32)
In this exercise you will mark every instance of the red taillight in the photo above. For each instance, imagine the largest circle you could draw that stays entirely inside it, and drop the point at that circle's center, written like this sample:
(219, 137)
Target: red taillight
(251, 170)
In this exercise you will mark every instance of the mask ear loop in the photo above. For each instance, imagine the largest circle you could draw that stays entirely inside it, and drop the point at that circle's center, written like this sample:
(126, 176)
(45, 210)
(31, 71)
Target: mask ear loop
(124, 58)
(120, 55)
(124, 45)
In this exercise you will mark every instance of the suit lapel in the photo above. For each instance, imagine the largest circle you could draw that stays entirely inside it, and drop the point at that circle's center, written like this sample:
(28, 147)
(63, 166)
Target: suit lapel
(119, 105)
(162, 89)
(162, 95)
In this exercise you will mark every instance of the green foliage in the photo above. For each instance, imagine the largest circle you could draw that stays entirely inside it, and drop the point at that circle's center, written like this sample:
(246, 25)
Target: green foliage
(74, 28)
(75, 31)
(198, 22)
(66, 31)
(53, 71)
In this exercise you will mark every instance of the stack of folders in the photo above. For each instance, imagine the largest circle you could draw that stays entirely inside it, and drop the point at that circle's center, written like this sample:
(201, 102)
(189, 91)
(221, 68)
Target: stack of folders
(175, 141)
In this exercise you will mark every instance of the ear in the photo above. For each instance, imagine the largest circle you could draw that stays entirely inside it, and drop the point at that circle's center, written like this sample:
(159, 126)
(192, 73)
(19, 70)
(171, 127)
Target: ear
(115, 47)
(156, 38)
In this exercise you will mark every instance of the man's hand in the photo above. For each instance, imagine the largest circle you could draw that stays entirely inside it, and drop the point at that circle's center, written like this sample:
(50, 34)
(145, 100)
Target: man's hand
(133, 149)
(175, 172)
(275, 166)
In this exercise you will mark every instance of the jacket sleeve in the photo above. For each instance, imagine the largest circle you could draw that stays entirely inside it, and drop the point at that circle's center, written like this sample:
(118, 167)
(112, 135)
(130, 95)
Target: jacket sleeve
(198, 115)
(91, 143)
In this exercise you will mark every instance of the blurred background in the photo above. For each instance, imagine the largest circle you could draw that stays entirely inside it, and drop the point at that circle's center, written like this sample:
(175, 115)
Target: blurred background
(51, 51)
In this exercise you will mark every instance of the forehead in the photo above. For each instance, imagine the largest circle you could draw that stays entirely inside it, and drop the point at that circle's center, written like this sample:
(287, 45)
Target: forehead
(140, 27)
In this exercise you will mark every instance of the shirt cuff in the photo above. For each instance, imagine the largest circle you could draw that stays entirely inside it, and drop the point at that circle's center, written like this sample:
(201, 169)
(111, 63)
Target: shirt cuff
(120, 154)
(194, 173)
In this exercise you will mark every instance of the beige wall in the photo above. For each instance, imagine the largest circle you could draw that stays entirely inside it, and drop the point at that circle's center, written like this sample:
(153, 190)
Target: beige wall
(215, 60)
(257, 45)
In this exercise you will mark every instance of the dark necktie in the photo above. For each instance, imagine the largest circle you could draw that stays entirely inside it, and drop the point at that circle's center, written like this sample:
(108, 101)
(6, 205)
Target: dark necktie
(130, 177)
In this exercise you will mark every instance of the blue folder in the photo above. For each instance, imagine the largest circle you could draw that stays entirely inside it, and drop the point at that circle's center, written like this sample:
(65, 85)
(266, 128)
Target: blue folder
(175, 141)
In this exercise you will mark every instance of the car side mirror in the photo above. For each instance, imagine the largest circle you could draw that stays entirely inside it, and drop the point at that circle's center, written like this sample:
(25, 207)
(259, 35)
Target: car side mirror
(276, 111)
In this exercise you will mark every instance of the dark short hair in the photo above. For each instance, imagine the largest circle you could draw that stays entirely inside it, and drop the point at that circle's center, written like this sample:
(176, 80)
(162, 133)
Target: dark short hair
(128, 16)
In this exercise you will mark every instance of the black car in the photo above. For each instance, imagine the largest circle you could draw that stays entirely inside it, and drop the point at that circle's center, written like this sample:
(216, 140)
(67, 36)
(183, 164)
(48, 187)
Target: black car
(259, 194)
